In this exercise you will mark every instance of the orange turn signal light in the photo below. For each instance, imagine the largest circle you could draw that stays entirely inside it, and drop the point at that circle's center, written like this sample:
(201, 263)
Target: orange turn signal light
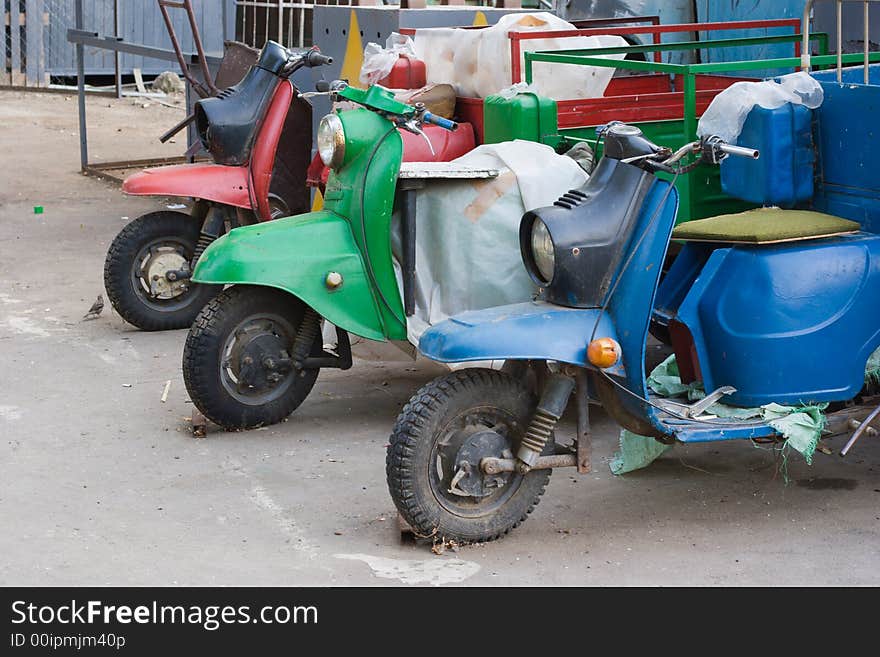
(604, 352)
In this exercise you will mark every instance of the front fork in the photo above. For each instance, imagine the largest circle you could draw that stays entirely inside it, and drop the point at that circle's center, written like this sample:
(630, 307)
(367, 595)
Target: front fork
(554, 399)
(213, 219)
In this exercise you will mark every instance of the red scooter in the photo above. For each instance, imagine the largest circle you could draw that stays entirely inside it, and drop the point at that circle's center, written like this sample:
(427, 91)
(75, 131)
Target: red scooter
(258, 133)
(258, 174)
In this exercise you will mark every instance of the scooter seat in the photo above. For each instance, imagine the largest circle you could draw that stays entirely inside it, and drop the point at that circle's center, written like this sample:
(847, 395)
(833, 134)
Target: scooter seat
(765, 226)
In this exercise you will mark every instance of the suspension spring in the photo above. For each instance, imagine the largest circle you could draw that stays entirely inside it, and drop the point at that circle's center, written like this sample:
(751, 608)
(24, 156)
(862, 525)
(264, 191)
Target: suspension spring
(204, 242)
(305, 337)
(551, 407)
(539, 432)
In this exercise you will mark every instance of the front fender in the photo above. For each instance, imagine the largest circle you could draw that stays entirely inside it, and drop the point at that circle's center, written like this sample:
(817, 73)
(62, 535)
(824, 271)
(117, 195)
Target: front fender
(534, 330)
(295, 254)
(208, 181)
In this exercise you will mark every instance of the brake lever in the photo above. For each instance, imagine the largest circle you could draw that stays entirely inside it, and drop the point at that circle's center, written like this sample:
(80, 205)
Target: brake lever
(313, 94)
(412, 126)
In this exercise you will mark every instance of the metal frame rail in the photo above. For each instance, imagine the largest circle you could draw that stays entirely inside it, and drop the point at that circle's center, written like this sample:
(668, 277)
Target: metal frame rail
(808, 10)
(82, 38)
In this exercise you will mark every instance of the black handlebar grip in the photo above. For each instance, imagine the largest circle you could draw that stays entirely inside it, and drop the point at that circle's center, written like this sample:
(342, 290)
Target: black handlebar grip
(315, 58)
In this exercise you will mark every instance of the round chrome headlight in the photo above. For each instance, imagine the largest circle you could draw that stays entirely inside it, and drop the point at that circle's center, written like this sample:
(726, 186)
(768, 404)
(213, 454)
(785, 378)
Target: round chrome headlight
(331, 141)
(542, 251)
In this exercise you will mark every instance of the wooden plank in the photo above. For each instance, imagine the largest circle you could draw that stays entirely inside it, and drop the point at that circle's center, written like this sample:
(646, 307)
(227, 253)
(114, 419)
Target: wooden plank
(35, 57)
(15, 45)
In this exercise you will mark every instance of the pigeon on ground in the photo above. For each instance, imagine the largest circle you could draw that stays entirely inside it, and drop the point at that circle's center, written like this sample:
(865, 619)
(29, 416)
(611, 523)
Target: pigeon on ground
(96, 308)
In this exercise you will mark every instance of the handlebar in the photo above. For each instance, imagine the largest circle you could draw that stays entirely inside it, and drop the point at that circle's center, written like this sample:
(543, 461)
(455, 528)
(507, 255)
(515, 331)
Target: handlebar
(739, 151)
(427, 117)
(296, 59)
(315, 58)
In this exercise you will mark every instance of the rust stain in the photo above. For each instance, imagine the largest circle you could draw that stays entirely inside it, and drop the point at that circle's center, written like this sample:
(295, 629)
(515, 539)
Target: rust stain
(487, 193)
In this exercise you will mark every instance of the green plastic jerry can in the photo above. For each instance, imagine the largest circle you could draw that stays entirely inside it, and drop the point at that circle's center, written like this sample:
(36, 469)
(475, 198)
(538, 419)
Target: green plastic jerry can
(525, 116)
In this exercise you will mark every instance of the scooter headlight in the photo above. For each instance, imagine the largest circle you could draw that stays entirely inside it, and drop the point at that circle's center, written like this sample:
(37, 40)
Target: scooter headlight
(331, 141)
(543, 254)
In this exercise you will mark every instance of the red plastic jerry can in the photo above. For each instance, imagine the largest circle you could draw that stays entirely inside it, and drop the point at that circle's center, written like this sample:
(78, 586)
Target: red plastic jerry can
(407, 73)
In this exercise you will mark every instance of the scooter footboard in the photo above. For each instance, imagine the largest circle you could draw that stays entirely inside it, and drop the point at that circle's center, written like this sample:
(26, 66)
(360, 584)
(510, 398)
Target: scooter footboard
(524, 331)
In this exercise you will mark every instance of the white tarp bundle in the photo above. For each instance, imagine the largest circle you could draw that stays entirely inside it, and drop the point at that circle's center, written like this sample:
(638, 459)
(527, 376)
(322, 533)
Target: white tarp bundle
(467, 231)
(477, 62)
(727, 113)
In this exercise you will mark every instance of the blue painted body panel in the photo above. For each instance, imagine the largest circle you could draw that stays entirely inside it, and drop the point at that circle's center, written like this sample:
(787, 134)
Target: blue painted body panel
(510, 333)
(791, 323)
(688, 431)
(846, 138)
(783, 175)
(542, 331)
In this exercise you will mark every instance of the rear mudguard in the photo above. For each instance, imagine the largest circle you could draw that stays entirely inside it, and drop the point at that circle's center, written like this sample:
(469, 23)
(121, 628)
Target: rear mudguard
(295, 254)
(210, 182)
(534, 330)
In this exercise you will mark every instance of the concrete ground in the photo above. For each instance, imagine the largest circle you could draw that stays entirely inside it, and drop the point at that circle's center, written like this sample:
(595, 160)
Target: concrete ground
(102, 483)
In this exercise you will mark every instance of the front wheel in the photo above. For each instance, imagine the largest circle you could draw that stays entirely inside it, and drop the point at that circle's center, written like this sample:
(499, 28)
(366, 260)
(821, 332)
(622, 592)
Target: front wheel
(239, 360)
(136, 272)
(438, 442)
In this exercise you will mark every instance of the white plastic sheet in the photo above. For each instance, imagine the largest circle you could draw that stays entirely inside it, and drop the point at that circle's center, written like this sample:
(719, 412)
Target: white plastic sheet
(727, 113)
(477, 62)
(379, 61)
(467, 232)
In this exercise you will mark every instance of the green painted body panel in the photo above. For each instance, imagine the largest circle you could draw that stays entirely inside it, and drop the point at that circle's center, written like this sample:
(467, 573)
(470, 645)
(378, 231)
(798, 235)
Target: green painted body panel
(283, 254)
(363, 189)
(378, 98)
(351, 236)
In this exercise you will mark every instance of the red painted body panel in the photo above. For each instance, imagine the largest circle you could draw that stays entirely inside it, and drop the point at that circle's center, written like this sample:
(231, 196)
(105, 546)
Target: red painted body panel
(263, 157)
(220, 183)
(211, 182)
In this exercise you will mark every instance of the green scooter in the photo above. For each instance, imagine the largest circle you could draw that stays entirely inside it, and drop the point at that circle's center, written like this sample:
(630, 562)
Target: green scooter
(253, 353)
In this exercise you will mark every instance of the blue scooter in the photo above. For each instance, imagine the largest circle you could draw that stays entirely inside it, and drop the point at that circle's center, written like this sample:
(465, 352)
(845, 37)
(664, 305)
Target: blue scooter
(472, 451)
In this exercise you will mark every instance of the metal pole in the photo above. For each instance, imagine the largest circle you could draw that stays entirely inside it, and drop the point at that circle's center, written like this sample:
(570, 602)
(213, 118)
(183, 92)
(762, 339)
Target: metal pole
(81, 91)
(280, 22)
(866, 17)
(117, 55)
(839, 41)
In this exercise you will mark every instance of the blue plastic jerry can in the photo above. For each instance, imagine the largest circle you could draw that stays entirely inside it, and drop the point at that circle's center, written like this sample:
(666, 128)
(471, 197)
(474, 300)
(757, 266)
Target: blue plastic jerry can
(783, 175)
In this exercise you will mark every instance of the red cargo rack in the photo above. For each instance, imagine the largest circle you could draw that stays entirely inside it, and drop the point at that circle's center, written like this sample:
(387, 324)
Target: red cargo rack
(636, 98)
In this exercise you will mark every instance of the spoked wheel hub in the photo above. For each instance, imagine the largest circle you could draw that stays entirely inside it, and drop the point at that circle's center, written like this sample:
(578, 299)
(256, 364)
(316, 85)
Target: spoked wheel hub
(257, 366)
(458, 481)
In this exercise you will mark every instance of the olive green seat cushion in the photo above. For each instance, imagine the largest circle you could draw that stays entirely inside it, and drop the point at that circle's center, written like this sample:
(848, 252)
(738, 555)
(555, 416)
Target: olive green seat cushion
(764, 226)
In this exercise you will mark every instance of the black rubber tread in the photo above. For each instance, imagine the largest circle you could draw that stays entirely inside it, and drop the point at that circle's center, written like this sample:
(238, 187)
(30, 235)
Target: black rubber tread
(120, 259)
(412, 440)
(202, 352)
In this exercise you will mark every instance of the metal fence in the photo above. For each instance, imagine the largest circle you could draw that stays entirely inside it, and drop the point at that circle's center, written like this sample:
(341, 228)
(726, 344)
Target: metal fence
(23, 54)
(288, 23)
(36, 46)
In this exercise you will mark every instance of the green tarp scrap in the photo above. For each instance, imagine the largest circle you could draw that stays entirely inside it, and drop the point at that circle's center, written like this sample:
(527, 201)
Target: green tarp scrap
(872, 371)
(665, 381)
(635, 452)
(801, 427)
